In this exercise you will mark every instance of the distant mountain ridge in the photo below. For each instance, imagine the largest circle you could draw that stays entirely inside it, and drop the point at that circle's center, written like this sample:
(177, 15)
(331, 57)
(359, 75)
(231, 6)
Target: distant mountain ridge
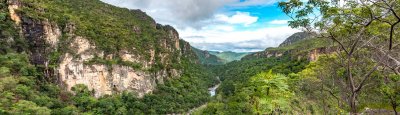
(229, 56)
(218, 58)
(300, 45)
(295, 38)
(206, 58)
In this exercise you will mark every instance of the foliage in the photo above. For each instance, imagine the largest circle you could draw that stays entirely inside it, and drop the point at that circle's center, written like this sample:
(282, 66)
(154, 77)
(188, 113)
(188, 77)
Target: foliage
(111, 29)
(296, 48)
(19, 90)
(206, 58)
(245, 83)
(269, 93)
(28, 107)
(303, 46)
(115, 61)
(229, 56)
(9, 36)
(362, 31)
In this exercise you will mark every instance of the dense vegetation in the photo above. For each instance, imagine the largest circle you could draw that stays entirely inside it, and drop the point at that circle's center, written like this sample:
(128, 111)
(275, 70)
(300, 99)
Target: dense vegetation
(8, 30)
(229, 56)
(217, 58)
(242, 80)
(24, 89)
(206, 58)
(285, 85)
(24, 92)
(131, 29)
(360, 74)
(296, 48)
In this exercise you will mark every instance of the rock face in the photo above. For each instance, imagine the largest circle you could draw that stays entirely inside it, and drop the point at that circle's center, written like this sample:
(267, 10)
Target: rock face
(294, 38)
(264, 54)
(296, 51)
(14, 5)
(109, 79)
(315, 53)
(101, 78)
(77, 62)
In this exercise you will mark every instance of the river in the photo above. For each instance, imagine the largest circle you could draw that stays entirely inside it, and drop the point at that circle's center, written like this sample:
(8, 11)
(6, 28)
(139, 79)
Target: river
(212, 90)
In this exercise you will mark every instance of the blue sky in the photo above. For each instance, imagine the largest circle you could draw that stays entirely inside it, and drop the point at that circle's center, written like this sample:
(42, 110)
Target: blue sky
(219, 25)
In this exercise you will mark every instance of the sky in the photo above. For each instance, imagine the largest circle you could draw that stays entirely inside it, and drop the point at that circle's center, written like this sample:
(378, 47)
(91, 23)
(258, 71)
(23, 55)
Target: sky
(219, 25)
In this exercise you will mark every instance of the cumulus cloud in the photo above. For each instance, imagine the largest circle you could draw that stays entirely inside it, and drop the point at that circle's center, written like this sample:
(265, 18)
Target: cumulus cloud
(239, 18)
(255, 2)
(278, 22)
(238, 40)
(180, 13)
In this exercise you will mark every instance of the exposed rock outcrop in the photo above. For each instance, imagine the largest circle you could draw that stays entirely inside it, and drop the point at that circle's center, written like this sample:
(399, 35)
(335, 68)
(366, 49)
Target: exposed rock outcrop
(13, 5)
(315, 53)
(299, 45)
(311, 55)
(295, 38)
(101, 78)
(110, 79)
(128, 70)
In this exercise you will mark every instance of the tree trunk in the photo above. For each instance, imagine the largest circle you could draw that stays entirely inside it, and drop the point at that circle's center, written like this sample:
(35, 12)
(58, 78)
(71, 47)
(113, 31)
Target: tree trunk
(323, 99)
(394, 106)
(353, 106)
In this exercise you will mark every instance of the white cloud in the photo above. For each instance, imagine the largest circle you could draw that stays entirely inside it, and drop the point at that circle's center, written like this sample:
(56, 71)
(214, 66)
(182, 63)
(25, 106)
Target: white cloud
(239, 18)
(238, 40)
(278, 22)
(255, 3)
(224, 28)
(182, 13)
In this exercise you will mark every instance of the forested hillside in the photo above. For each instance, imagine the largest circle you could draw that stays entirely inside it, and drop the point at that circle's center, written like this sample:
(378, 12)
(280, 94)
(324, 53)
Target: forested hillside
(88, 57)
(348, 66)
(207, 58)
(229, 56)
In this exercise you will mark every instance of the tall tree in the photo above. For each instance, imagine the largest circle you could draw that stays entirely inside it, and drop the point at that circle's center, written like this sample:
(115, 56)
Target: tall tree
(352, 26)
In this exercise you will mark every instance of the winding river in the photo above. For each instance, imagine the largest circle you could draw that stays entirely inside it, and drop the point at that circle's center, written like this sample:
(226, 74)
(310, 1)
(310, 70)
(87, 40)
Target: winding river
(213, 89)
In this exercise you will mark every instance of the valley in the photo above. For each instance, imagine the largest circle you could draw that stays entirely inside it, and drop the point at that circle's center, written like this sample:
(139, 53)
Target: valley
(89, 57)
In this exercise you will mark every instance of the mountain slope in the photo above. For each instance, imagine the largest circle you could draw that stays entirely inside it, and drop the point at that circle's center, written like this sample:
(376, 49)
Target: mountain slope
(295, 38)
(228, 55)
(266, 82)
(74, 56)
(207, 58)
(299, 45)
(100, 40)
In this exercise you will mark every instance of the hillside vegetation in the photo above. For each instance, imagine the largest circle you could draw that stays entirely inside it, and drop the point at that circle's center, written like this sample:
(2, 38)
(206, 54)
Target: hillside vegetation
(57, 55)
(350, 65)
(229, 56)
(207, 58)
(29, 83)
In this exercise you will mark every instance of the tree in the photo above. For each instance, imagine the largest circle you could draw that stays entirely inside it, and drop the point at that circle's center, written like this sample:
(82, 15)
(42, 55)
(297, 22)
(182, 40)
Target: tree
(390, 88)
(269, 93)
(83, 98)
(28, 107)
(351, 25)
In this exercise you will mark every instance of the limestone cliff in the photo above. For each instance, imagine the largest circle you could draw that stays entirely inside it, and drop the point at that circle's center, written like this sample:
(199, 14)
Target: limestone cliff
(68, 56)
(298, 46)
